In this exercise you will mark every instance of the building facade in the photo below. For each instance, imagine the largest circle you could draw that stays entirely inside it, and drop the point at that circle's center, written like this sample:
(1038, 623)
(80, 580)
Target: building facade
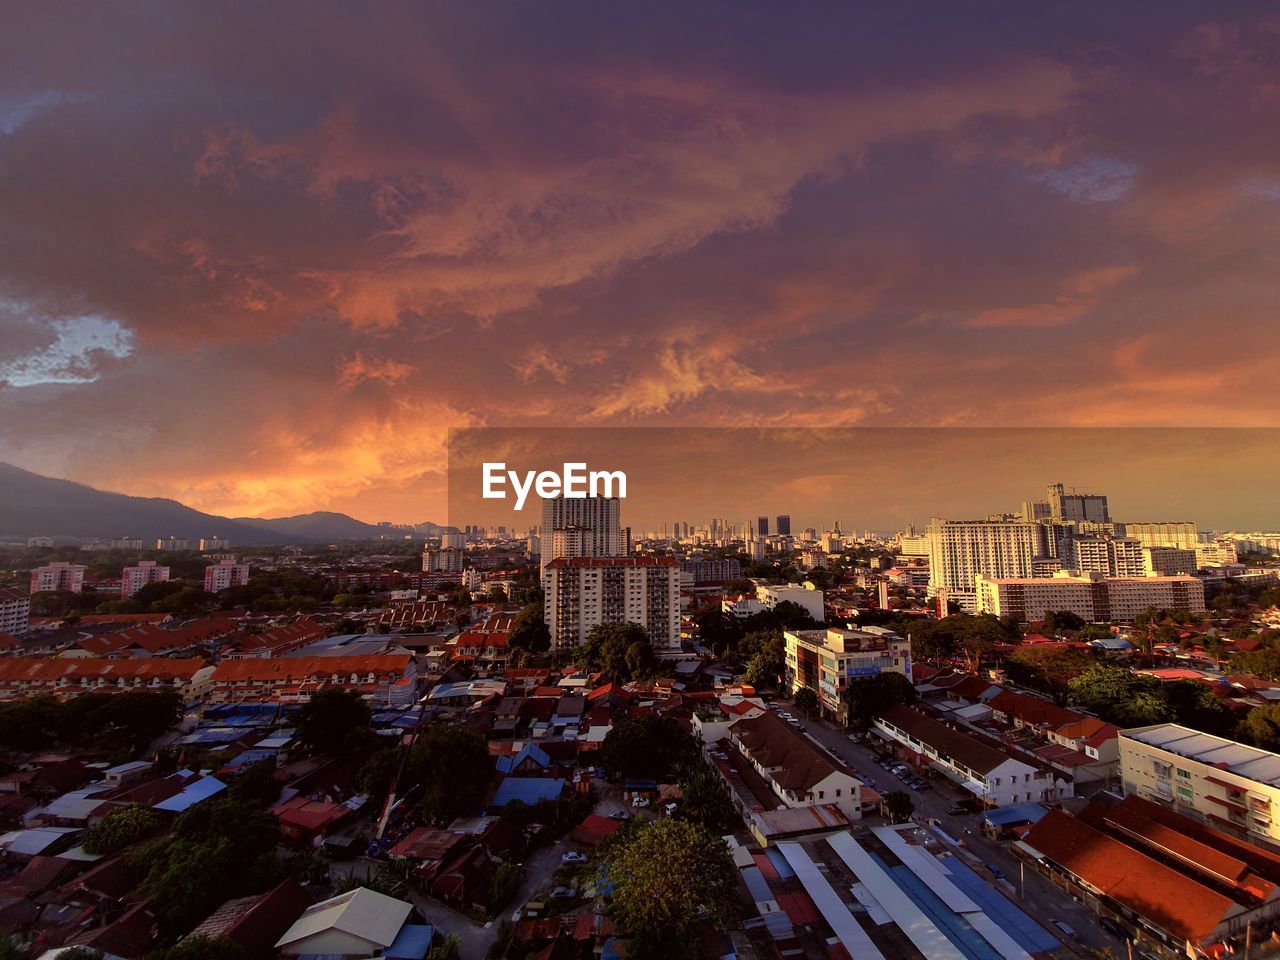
(15, 612)
(824, 661)
(133, 579)
(225, 575)
(962, 550)
(583, 592)
(61, 576)
(1230, 785)
(1093, 597)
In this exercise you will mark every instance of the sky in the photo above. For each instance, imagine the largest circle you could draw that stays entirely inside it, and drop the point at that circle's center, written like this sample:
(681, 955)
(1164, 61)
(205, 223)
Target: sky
(261, 258)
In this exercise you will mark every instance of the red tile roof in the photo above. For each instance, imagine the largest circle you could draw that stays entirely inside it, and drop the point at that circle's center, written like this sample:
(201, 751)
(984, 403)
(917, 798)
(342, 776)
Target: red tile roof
(1166, 897)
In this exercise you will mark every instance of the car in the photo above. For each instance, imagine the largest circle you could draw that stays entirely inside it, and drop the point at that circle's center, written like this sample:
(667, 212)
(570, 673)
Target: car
(924, 785)
(1064, 928)
(563, 893)
(797, 725)
(956, 810)
(573, 856)
(999, 875)
(1114, 928)
(638, 802)
(670, 809)
(618, 815)
(914, 785)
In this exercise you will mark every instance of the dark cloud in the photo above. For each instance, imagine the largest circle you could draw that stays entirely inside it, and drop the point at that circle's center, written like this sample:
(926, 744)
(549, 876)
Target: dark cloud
(261, 258)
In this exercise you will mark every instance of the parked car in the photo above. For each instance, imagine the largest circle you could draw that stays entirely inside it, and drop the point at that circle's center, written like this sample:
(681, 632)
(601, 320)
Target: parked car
(925, 785)
(563, 893)
(1114, 928)
(573, 856)
(999, 875)
(1065, 928)
(638, 802)
(957, 810)
(618, 815)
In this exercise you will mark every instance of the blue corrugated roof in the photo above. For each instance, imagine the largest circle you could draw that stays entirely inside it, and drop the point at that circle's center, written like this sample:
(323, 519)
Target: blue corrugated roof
(193, 793)
(1015, 813)
(528, 790)
(411, 943)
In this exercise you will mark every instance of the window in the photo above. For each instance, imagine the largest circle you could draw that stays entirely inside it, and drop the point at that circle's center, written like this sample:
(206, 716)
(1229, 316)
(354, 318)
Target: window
(1184, 774)
(1185, 793)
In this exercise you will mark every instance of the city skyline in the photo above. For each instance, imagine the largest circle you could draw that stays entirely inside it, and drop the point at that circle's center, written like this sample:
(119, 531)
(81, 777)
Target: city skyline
(261, 260)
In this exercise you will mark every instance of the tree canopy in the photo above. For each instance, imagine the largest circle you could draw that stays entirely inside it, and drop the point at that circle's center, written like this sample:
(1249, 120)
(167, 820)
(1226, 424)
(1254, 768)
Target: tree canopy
(664, 875)
(121, 828)
(869, 697)
(329, 718)
(619, 650)
(650, 748)
(454, 768)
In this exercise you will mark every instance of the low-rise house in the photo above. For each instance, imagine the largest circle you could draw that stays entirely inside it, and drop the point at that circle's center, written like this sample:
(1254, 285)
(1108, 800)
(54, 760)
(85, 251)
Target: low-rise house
(358, 923)
(258, 922)
(797, 770)
(386, 678)
(978, 765)
(21, 678)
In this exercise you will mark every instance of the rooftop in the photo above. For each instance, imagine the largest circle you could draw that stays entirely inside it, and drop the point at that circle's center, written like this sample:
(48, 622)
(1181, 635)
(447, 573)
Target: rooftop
(1252, 763)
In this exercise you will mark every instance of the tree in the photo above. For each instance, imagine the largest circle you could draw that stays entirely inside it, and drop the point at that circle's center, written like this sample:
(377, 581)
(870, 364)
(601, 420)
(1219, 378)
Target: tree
(1261, 727)
(450, 948)
(766, 650)
(1193, 703)
(529, 631)
(1061, 621)
(1049, 667)
(329, 718)
(257, 785)
(200, 948)
(665, 875)
(869, 697)
(378, 773)
(613, 648)
(1121, 696)
(454, 768)
(505, 884)
(717, 630)
(806, 701)
(121, 828)
(649, 748)
(704, 798)
(898, 806)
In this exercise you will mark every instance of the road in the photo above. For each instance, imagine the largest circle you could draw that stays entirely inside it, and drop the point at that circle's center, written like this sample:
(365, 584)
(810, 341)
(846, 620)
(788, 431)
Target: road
(1039, 898)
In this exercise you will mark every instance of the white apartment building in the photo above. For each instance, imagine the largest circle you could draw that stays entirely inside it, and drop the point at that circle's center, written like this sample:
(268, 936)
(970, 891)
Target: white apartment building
(1110, 556)
(214, 543)
(15, 612)
(224, 575)
(1093, 597)
(808, 597)
(66, 577)
(982, 769)
(583, 592)
(1232, 786)
(133, 579)
(173, 543)
(444, 560)
(1178, 533)
(962, 550)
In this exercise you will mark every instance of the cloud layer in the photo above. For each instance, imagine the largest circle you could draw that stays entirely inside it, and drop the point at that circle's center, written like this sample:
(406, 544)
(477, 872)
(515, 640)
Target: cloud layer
(262, 258)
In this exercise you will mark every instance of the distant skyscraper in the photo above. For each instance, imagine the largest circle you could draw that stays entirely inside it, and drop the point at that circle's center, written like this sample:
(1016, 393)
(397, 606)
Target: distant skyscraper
(762, 526)
(1075, 506)
(784, 525)
(598, 517)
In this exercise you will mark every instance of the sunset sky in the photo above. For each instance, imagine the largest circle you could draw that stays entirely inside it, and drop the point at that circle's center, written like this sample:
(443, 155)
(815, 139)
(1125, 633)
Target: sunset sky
(261, 257)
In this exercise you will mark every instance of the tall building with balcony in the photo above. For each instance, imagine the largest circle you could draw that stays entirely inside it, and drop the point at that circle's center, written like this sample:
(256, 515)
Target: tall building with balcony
(61, 576)
(15, 612)
(224, 575)
(598, 520)
(960, 551)
(1231, 786)
(133, 579)
(824, 661)
(584, 592)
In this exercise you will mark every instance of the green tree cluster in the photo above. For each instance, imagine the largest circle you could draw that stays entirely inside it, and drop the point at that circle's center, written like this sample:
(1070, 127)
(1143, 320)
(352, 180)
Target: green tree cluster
(668, 875)
(647, 748)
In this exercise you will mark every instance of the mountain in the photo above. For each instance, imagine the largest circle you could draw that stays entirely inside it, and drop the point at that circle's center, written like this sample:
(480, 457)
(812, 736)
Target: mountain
(319, 526)
(36, 506)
